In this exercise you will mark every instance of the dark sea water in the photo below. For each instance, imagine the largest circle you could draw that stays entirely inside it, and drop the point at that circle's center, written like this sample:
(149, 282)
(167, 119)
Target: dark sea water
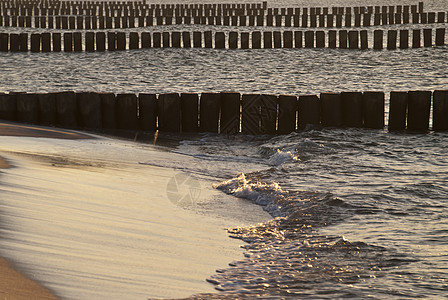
(356, 213)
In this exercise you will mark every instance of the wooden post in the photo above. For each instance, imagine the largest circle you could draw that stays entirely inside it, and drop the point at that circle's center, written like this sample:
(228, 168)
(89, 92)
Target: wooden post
(230, 113)
(391, 39)
(8, 107)
(332, 39)
(197, 39)
(100, 41)
(220, 40)
(353, 39)
(168, 108)
(175, 39)
(90, 41)
(378, 39)
(440, 36)
(147, 112)
(189, 112)
(108, 111)
(309, 111)
(121, 40)
(277, 39)
(111, 41)
(419, 104)
(404, 39)
(440, 111)
(343, 38)
(165, 39)
(298, 39)
(364, 39)
(23, 41)
(68, 42)
(309, 39)
(27, 108)
(259, 113)
(47, 108)
(427, 37)
(233, 40)
(331, 109)
(287, 108)
(244, 40)
(35, 42)
(416, 38)
(267, 39)
(256, 40)
(186, 39)
(126, 111)
(209, 112)
(373, 109)
(89, 110)
(208, 39)
(398, 106)
(320, 39)
(66, 109)
(134, 40)
(287, 39)
(352, 109)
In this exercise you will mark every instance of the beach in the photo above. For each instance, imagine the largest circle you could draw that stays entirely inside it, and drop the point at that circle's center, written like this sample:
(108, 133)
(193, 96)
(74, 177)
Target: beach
(86, 220)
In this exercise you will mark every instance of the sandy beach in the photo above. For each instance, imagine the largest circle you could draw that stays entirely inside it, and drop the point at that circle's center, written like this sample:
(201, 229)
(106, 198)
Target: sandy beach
(88, 221)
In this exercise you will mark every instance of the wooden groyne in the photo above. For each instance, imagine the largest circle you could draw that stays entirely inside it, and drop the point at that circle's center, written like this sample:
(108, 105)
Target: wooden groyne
(86, 15)
(227, 112)
(111, 41)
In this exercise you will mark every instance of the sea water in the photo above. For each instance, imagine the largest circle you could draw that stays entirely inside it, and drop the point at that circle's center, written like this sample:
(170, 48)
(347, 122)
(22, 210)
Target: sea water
(355, 212)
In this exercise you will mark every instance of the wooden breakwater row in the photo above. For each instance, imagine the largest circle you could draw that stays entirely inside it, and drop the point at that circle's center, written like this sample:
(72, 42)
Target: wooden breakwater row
(100, 41)
(108, 8)
(304, 21)
(227, 113)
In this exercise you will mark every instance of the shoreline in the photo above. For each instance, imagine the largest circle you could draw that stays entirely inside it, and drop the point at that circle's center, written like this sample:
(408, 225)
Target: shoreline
(95, 175)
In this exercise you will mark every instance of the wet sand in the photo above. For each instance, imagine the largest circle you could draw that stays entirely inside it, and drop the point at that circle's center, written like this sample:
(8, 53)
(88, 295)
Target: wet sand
(134, 244)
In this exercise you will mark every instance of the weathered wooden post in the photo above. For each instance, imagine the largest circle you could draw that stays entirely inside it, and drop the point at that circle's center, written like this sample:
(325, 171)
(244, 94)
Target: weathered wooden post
(121, 40)
(373, 109)
(331, 109)
(419, 104)
(233, 40)
(230, 113)
(440, 36)
(208, 39)
(427, 37)
(77, 41)
(398, 106)
(90, 41)
(66, 109)
(378, 39)
(259, 113)
(23, 41)
(197, 39)
(287, 39)
(8, 107)
(165, 39)
(244, 40)
(287, 108)
(189, 112)
(332, 39)
(320, 39)
(353, 39)
(209, 112)
(126, 111)
(309, 111)
(220, 40)
(68, 42)
(309, 39)
(134, 40)
(298, 39)
(47, 108)
(108, 111)
(256, 40)
(440, 111)
(416, 38)
(89, 110)
(404, 39)
(352, 115)
(364, 39)
(277, 39)
(267, 39)
(168, 112)
(111, 41)
(147, 112)
(391, 39)
(175, 39)
(35, 42)
(27, 108)
(343, 39)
